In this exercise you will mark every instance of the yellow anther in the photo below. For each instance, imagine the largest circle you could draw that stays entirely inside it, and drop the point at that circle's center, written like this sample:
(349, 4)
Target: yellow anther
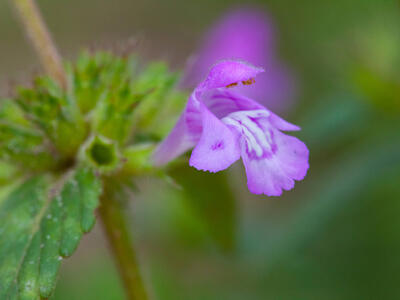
(249, 81)
(232, 85)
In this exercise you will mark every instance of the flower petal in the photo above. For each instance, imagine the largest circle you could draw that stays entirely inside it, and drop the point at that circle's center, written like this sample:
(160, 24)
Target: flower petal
(293, 155)
(271, 175)
(176, 143)
(218, 146)
(222, 102)
(282, 124)
(228, 72)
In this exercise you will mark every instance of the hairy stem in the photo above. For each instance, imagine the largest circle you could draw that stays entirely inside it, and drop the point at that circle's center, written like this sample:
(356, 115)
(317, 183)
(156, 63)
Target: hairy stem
(38, 34)
(118, 235)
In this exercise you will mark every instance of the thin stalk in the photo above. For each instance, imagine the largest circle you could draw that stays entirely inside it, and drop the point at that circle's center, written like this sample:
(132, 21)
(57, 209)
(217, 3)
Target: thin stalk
(40, 37)
(116, 228)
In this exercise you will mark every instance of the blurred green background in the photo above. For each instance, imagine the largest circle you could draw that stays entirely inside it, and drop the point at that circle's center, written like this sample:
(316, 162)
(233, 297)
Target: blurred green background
(335, 236)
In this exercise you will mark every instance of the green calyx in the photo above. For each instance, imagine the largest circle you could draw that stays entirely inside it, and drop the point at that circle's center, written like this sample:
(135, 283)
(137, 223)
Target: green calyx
(115, 99)
(102, 154)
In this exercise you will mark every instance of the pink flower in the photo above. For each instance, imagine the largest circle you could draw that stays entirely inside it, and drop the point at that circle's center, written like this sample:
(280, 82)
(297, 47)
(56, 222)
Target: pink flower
(245, 34)
(223, 125)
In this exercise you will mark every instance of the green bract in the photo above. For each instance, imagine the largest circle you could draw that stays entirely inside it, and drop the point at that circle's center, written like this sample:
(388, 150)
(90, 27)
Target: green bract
(57, 149)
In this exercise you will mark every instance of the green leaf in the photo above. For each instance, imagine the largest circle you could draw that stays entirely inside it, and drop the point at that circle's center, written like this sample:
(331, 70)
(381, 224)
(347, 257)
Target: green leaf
(20, 216)
(125, 99)
(36, 231)
(28, 284)
(50, 235)
(55, 113)
(157, 83)
(71, 231)
(7, 173)
(10, 111)
(103, 84)
(20, 142)
(93, 75)
(212, 201)
(90, 188)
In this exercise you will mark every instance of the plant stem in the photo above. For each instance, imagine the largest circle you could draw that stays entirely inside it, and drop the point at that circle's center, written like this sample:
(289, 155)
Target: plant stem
(40, 38)
(118, 235)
